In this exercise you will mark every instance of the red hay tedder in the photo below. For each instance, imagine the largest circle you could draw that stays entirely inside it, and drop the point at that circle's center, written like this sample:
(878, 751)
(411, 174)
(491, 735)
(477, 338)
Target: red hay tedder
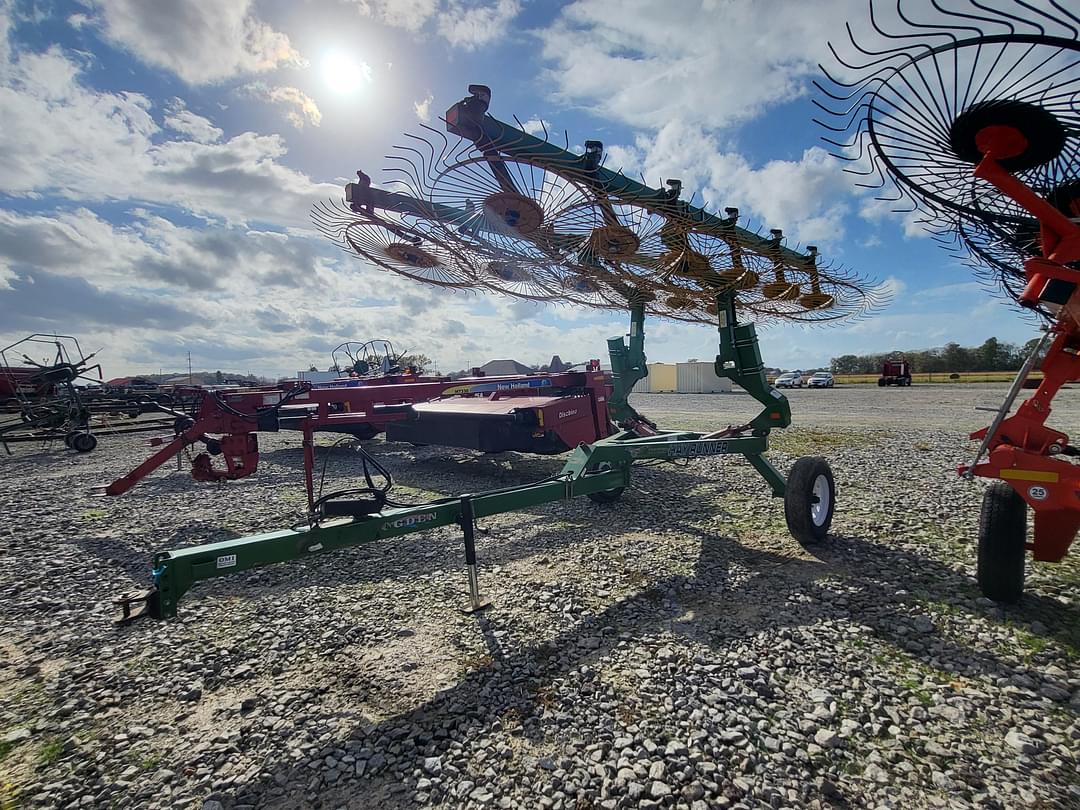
(968, 115)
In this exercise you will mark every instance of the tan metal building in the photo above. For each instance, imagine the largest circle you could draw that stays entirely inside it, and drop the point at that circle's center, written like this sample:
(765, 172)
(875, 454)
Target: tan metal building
(682, 378)
(700, 378)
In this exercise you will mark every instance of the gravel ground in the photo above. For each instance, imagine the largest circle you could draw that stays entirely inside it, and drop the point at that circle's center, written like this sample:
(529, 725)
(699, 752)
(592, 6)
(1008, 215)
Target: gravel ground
(677, 649)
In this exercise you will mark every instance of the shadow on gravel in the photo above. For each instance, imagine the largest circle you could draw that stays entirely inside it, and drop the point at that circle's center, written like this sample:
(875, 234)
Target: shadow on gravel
(705, 607)
(928, 580)
(411, 465)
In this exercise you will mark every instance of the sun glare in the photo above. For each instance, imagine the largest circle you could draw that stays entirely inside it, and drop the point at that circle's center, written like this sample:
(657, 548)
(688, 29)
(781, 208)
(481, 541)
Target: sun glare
(343, 74)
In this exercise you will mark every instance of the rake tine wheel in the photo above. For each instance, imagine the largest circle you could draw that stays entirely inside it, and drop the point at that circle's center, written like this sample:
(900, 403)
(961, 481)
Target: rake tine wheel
(531, 220)
(914, 108)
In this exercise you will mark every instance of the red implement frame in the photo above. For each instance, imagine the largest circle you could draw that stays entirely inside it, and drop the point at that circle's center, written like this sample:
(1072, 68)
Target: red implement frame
(1023, 451)
(228, 421)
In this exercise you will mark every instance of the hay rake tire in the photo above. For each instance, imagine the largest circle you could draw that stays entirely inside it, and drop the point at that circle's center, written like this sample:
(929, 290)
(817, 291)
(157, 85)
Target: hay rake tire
(1002, 544)
(83, 442)
(607, 495)
(809, 500)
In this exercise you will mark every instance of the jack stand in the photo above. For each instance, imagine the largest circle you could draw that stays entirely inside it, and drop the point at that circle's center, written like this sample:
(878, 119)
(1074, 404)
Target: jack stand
(468, 527)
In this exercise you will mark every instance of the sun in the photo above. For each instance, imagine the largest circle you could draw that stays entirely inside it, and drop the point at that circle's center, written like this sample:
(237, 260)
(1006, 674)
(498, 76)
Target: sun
(343, 74)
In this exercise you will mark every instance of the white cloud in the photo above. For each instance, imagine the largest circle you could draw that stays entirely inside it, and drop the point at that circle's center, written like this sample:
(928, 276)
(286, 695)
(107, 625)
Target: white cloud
(261, 298)
(536, 126)
(244, 291)
(464, 24)
(962, 291)
(808, 198)
(63, 138)
(711, 62)
(303, 108)
(180, 119)
(470, 25)
(408, 14)
(201, 41)
(422, 108)
(893, 288)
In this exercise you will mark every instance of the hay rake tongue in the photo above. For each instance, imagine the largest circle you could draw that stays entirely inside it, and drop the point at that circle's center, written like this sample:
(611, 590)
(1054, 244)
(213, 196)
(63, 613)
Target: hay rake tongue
(496, 209)
(968, 115)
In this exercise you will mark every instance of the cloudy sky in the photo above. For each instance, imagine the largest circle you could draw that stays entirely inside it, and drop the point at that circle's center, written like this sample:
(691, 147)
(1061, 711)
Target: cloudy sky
(158, 160)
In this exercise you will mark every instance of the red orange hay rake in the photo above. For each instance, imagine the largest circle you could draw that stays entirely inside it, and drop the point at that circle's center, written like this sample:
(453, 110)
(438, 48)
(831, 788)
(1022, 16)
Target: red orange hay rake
(968, 114)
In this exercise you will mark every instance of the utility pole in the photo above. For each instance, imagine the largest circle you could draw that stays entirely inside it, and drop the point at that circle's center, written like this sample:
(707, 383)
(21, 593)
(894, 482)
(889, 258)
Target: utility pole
(189, 369)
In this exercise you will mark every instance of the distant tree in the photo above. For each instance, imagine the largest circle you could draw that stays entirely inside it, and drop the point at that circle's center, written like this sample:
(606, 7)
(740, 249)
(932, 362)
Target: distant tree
(219, 378)
(1029, 347)
(992, 355)
(421, 362)
(845, 364)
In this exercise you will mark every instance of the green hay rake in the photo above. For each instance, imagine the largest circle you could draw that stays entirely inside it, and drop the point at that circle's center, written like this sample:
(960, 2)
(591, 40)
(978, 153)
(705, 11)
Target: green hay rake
(501, 210)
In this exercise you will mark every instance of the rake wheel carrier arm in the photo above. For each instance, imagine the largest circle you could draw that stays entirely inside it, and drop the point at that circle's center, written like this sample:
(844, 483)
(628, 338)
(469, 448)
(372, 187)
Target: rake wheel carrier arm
(491, 136)
(1023, 451)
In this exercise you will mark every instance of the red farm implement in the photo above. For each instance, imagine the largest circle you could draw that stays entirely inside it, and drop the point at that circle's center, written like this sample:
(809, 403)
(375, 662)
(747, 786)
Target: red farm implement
(971, 117)
(539, 413)
(44, 403)
(895, 371)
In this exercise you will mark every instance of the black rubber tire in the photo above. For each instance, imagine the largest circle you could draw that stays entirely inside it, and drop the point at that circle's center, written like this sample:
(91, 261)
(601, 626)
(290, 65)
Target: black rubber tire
(1002, 537)
(881, 383)
(607, 495)
(69, 437)
(799, 500)
(83, 442)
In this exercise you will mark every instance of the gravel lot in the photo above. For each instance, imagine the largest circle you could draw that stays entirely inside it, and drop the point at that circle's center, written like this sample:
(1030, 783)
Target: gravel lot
(677, 649)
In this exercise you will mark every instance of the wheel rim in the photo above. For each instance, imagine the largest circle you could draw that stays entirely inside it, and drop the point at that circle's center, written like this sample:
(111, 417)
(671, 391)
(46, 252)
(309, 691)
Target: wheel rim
(822, 500)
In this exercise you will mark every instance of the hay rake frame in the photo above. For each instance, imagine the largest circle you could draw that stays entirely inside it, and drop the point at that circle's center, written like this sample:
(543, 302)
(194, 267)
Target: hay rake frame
(601, 470)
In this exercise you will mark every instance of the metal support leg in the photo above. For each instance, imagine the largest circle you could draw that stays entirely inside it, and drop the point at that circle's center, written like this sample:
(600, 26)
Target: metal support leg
(468, 527)
(771, 475)
(1006, 406)
(309, 466)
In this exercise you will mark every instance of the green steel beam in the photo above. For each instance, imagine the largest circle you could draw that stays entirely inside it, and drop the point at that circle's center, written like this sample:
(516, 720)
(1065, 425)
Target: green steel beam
(514, 143)
(176, 571)
(628, 366)
(602, 466)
